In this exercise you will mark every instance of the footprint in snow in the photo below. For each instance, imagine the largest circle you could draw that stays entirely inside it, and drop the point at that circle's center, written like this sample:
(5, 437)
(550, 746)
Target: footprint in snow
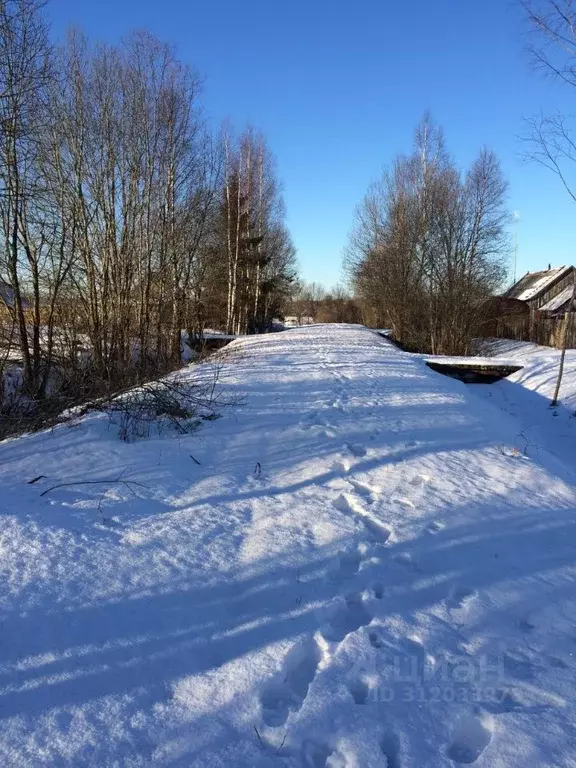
(412, 658)
(108, 523)
(315, 754)
(338, 484)
(460, 597)
(359, 691)
(375, 640)
(435, 527)
(347, 618)
(557, 663)
(403, 503)
(344, 504)
(349, 563)
(379, 531)
(64, 720)
(471, 736)
(365, 491)
(309, 421)
(390, 748)
(504, 702)
(420, 480)
(527, 624)
(349, 506)
(405, 559)
(356, 449)
(518, 665)
(289, 692)
(319, 424)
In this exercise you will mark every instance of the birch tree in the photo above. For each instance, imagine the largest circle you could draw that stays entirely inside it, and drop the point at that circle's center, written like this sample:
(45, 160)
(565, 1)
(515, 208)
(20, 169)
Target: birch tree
(429, 244)
(124, 220)
(260, 254)
(25, 72)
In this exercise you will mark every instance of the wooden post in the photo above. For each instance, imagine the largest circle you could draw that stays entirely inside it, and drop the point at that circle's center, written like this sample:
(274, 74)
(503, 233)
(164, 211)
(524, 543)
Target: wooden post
(564, 336)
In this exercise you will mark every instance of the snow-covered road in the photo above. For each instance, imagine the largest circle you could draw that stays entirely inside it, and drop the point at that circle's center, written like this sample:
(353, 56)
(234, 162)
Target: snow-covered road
(393, 586)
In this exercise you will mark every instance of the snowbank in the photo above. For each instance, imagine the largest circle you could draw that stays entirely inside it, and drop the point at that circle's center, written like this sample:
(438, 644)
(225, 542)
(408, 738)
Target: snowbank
(354, 568)
(526, 395)
(540, 367)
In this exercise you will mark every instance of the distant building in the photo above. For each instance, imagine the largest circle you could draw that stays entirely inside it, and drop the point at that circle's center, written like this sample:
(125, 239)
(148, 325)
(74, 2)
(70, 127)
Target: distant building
(547, 292)
(8, 298)
(7, 295)
(293, 321)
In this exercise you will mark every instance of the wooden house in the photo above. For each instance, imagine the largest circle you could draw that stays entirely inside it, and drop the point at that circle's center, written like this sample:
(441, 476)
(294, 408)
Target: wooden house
(547, 292)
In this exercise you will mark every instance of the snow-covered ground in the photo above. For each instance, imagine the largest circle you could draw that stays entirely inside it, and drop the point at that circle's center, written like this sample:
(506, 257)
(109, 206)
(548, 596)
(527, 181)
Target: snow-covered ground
(361, 571)
(540, 367)
(527, 394)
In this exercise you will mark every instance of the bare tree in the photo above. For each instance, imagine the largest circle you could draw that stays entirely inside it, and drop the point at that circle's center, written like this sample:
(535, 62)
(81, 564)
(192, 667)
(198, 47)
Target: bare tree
(260, 254)
(24, 75)
(552, 138)
(428, 245)
(338, 306)
(124, 221)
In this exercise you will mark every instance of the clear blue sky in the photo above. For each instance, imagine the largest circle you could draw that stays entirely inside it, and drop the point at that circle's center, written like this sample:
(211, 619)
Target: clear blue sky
(338, 87)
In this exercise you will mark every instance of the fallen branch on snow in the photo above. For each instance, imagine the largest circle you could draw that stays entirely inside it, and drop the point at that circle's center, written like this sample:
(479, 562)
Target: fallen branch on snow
(111, 481)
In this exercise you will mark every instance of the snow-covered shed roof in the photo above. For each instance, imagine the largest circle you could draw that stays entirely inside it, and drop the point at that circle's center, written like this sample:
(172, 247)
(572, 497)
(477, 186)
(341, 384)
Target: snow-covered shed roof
(556, 303)
(533, 284)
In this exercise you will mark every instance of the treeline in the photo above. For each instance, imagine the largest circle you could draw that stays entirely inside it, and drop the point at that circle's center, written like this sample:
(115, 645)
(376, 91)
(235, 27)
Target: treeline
(429, 246)
(124, 219)
(312, 303)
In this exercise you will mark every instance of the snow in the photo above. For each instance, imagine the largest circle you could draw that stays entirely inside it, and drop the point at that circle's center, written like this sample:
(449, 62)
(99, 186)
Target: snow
(211, 334)
(542, 283)
(362, 570)
(527, 394)
(472, 361)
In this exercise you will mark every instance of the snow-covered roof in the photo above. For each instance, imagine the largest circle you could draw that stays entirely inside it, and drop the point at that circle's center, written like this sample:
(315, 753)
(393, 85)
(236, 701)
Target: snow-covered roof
(558, 301)
(534, 283)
